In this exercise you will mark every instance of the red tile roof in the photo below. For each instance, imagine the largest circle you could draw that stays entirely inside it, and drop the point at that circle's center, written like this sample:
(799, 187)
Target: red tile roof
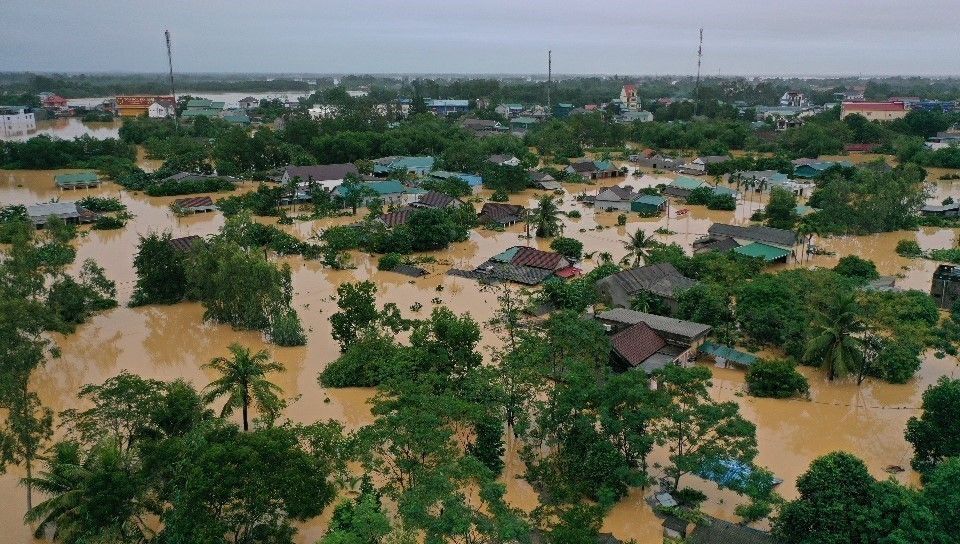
(193, 202)
(873, 106)
(569, 272)
(546, 260)
(637, 343)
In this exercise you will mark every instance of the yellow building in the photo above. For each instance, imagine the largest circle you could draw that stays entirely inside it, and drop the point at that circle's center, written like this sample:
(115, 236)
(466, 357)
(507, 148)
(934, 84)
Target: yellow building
(136, 106)
(874, 111)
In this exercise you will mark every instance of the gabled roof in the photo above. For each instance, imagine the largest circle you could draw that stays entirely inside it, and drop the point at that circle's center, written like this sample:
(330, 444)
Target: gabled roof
(436, 199)
(397, 218)
(77, 177)
(712, 159)
(322, 172)
(536, 175)
(386, 164)
(769, 235)
(500, 159)
(184, 243)
(583, 166)
(688, 183)
(616, 193)
(652, 200)
(193, 202)
(661, 279)
(637, 343)
(46, 209)
(766, 252)
(547, 260)
(499, 212)
(718, 531)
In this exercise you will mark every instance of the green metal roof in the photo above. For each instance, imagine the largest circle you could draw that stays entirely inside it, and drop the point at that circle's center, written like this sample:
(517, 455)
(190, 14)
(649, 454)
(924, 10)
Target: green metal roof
(201, 112)
(241, 118)
(804, 210)
(604, 165)
(506, 256)
(652, 200)
(79, 177)
(388, 187)
(728, 353)
(684, 182)
(765, 252)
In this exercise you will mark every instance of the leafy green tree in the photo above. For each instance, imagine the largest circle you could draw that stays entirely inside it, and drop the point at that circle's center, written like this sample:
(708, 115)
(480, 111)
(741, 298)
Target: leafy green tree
(568, 247)
(246, 487)
(780, 211)
(73, 301)
(358, 311)
(777, 379)
(696, 429)
(243, 381)
(834, 342)
(934, 435)
(705, 302)
(161, 274)
(358, 521)
(853, 266)
(941, 493)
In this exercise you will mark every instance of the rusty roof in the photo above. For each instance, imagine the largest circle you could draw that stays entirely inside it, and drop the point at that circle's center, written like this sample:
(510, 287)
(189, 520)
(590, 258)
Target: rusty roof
(193, 202)
(435, 199)
(546, 260)
(184, 243)
(637, 343)
(397, 218)
(498, 212)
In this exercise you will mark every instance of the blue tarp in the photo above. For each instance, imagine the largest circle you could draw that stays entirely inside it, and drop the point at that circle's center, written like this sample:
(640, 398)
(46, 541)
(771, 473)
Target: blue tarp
(732, 474)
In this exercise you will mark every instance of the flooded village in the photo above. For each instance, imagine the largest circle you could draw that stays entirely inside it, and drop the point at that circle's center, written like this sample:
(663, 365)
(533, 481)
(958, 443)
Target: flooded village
(392, 310)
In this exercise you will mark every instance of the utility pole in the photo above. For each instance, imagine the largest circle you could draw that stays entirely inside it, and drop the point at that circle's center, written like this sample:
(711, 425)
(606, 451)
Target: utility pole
(549, 78)
(176, 120)
(696, 89)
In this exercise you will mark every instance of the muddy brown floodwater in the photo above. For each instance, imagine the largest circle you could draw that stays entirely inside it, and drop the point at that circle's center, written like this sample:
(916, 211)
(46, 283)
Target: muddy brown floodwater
(169, 342)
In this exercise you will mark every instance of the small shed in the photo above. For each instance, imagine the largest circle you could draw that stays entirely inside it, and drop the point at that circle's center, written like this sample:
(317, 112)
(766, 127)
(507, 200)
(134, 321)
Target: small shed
(726, 355)
(649, 204)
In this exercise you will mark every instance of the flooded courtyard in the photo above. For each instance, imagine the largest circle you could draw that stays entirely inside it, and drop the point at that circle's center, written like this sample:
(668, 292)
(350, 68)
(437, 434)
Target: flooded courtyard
(170, 342)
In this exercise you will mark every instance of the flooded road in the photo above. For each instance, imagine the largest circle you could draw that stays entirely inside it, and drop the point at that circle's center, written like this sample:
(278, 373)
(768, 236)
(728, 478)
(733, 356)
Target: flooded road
(169, 342)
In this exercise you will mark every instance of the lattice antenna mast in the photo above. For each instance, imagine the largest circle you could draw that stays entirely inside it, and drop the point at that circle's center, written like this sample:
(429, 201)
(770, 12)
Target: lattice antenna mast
(176, 120)
(549, 77)
(696, 88)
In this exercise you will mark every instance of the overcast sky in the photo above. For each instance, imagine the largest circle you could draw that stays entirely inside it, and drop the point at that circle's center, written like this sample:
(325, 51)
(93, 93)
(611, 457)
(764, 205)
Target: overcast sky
(750, 37)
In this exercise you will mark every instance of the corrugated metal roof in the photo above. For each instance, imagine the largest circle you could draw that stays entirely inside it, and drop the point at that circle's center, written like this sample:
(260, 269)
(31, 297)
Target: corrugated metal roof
(769, 235)
(666, 325)
(184, 243)
(435, 199)
(193, 202)
(78, 177)
(766, 252)
(547, 260)
(399, 217)
(497, 212)
(662, 279)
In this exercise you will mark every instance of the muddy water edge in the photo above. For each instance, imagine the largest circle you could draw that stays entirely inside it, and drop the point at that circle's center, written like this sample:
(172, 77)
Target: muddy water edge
(169, 342)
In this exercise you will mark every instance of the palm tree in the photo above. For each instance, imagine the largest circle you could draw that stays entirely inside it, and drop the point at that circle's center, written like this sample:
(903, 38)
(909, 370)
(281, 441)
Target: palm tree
(638, 246)
(805, 229)
(244, 383)
(835, 341)
(76, 509)
(547, 218)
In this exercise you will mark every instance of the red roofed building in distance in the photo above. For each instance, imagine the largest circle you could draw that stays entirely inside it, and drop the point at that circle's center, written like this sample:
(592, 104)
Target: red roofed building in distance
(54, 101)
(874, 111)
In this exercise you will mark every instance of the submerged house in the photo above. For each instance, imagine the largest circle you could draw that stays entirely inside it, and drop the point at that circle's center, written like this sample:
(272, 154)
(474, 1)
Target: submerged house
(768, 243)
(614, 198)
(500, 214)
(662, 280)
(472, 180)
(945, 287)
(70, 212)
(391, 192)
(648, 204)
(698, 166)
(197, 204)
(79, 180)
(682, 187)
(438, 200)
(811, 168)
(327, 176)
(414, 166)
(650, 342)
(543, 180)
(594, 169)
(526, 265)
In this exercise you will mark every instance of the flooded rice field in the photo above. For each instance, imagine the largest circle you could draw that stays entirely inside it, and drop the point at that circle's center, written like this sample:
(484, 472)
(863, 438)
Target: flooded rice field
(169, 342)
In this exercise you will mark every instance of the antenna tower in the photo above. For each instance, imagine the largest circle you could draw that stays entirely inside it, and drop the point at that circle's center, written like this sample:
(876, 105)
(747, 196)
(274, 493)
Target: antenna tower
(549, 77)
(696, 89)
(176, 120)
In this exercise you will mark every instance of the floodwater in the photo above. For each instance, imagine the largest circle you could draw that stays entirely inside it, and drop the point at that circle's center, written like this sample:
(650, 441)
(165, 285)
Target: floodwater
(230, 100)
(67, 128)
(169, 342)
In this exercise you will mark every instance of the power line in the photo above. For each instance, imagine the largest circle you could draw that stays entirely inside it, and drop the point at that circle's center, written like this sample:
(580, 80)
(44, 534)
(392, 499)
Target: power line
(696, 89)
(176, 120)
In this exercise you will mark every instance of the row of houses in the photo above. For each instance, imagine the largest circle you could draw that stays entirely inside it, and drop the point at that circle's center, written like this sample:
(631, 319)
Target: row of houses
(697, 166)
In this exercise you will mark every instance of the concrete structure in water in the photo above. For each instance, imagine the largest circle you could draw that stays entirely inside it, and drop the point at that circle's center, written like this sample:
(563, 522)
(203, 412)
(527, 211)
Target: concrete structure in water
(945, 288)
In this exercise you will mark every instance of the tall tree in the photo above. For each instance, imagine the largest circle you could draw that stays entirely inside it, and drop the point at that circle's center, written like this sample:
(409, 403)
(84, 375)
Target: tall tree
(243, 381)
(28, 426)
(546, 217)
(935, 435)
(698, 430)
